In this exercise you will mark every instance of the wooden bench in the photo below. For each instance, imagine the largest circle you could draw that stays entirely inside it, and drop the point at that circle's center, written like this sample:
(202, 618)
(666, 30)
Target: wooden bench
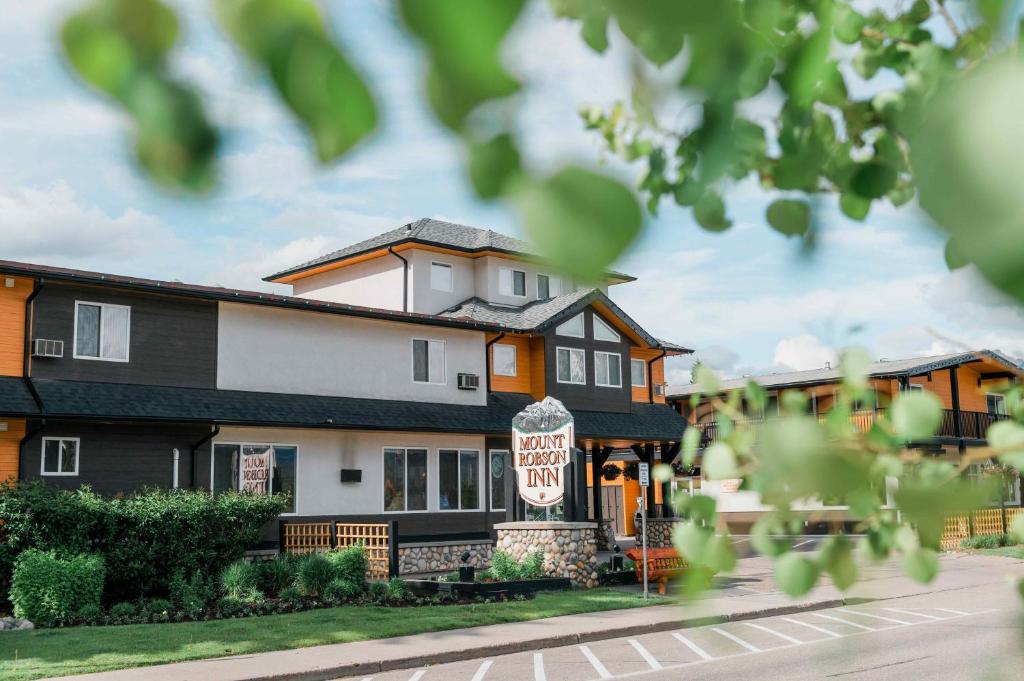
(662, 564)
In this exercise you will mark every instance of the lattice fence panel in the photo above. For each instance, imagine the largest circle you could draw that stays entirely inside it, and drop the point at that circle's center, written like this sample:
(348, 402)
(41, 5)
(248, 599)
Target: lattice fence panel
(988, 521)
(375, 540)
(1011, 515)
(957, 527)
(302, 538)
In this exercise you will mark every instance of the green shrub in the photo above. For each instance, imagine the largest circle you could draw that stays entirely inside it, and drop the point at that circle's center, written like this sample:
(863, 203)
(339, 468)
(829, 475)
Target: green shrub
(350, 562)
(190, 595)
(276, 575)
(89, 614)
(377, 592)
(987, 541)
(504, 567)
(159, 606)
(314, 574)
(398, 590)
(532, 566)
(48, 590)
(340, 590)
(144, 538)
(123, 612)
(238, 578)
(290, 594)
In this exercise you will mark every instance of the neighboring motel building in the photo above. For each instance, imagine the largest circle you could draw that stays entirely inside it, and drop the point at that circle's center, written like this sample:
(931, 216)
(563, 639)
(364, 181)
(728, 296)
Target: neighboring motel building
(962, 381)
(384, 387)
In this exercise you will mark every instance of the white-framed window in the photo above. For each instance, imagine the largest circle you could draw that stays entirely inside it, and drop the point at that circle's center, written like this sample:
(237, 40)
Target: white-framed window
(60, 456)
(458, 480)
(503, 357)
(228, 469)
(405, 479)
(914, 387)
(497, 463)
(572, 327)
(571, 365)
(548, 287)
(442, 277)
(638, 373)
(102, 331)
(995, 404)
(608, 369)
(603, 332)
(512, 282)
(428, 362)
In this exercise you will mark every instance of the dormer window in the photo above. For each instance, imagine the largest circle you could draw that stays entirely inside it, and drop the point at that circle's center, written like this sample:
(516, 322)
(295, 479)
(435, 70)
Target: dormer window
(572, 328)
(547, 287)
(441, 277)
(512, 282)
(603, 332)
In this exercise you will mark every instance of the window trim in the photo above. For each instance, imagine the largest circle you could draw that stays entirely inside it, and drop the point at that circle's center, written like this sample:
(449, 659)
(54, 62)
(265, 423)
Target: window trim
(412, 361)
(405, 479)
(252, 443)
(59, 473)
(451, 270)
(458, 451)
(1002, 399)
(643, 372)
(583, 333)
(608, 327)
(609, 354)
(571, 350)
(515, 360)
(512, 293)
(490, 485)
(100, 358)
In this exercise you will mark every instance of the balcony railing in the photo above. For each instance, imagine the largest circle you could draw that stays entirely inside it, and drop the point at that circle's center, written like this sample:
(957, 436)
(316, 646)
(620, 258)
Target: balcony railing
(973, 424)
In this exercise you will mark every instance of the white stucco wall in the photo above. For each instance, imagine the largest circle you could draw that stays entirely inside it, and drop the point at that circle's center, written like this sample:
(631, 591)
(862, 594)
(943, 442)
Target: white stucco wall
(428, 300)
(487, 285)
(292, 351)
(374, 283)
(323, 453)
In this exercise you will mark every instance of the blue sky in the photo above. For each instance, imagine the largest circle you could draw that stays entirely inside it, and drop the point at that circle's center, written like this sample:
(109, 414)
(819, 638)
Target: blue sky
(747, 300)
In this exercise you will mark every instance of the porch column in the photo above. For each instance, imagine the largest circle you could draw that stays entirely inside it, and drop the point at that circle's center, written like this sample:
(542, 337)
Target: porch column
(595, 474)
(669, 452)
(954, 391)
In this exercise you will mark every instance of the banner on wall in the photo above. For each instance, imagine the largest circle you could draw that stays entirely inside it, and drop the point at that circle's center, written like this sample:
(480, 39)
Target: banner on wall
(543, 439)
(256, 472)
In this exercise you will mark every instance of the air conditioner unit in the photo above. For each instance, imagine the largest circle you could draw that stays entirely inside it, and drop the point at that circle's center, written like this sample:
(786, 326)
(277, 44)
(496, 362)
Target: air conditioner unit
(659, 389)
(43, 347)
(469, 381)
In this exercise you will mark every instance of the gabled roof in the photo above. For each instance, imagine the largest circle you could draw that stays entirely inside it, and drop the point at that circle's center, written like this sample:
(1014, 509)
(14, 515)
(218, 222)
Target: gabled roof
(895, 368)
(431, 233)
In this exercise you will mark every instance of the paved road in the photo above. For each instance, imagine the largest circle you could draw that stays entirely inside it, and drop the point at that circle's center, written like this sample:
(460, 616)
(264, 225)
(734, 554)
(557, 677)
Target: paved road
(961, 634)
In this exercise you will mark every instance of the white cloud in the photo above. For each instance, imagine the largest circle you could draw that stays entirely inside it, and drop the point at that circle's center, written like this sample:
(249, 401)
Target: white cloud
(248, 263)
(803, 352)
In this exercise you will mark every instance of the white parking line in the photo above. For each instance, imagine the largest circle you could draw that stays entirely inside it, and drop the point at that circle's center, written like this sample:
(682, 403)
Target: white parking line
(955, 612)
(796, 546)
(599, 667)
(873, 616)
(784, 637)
(418, 675)
(736, 639)
(484, 666)
(812, 626)
(911, 612)
(644, 653)
(538, 667)
(693, 646)
(842, 621)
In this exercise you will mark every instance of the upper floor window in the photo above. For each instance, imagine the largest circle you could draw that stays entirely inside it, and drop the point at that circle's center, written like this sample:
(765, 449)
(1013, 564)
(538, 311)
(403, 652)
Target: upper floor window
(995, 404)
(441, 277)
(60, 456)
(512, 282)
(504, 357)
(547, 287)
(458, 472)
(102, 331)
(570, 365)
(603, 332)
(573, 327)
(638, 373)
(428, 361)
(608, 369)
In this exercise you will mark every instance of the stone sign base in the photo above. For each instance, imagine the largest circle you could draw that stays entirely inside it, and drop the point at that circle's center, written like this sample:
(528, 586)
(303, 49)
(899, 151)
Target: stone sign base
(570, 549)
(659, 532)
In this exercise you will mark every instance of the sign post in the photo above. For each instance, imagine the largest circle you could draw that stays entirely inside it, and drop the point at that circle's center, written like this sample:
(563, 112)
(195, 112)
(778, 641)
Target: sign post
(645, 481)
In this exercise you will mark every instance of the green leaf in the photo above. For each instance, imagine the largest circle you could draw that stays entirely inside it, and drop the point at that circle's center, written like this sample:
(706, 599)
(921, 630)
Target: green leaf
(756, 396)
(790, 217)
(464, 41)
(691, 442)
(795, 574)
(872, 180)
(762, 537)
(492, 164)
(662, 472)
(1008, 438)
(837, 560)
(581, 220)
(720, 462)
(921, 564)
(706, 379)
(709, 212)
(955, 258)
(719, 555)
(854, 364)
(848, 24)
(1017, 529)
(690, 540)
(916, 415)
(854, 207)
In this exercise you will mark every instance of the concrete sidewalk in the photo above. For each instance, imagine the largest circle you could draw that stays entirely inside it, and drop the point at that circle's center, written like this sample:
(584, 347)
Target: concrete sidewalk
(364, 658)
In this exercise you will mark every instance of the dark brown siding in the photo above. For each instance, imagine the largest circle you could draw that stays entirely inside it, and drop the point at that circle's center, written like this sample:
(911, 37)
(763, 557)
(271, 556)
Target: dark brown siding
(120, 458)
(589, 397)
(173, 341)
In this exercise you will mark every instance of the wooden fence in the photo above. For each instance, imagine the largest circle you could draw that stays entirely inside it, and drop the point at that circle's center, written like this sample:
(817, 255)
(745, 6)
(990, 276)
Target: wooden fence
(985, 521)
(379, 539)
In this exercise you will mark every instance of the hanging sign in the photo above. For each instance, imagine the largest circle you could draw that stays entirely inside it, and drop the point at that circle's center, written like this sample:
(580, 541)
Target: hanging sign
(256, 472)
(543, 439)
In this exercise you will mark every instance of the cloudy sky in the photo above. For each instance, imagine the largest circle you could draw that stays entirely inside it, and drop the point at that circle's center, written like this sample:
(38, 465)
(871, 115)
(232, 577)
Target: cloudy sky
(747, 300)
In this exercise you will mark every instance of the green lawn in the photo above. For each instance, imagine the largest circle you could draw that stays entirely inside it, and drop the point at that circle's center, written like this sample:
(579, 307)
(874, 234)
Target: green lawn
(1008, 551)
(77, 650)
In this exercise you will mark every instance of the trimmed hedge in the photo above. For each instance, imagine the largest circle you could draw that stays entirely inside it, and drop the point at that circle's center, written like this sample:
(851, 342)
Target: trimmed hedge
(48, 590)
(145, 539)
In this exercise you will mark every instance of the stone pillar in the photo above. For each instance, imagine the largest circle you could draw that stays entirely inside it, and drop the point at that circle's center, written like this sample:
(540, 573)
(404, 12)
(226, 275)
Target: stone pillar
(605, 535)
(659, 532)
(570, 549)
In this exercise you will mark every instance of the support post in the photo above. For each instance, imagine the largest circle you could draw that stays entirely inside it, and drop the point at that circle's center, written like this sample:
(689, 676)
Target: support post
(595, 473)
(954, 390)
(580, 464)
(393, 565)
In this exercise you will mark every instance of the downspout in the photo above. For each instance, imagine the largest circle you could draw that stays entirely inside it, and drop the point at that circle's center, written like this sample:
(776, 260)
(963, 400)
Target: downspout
(405, 278)
(195, 448)
(487, 358)
(37, 288)
(650, 374)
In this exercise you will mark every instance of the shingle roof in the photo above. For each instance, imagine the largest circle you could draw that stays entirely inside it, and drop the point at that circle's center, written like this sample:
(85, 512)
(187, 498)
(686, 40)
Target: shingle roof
(435, 233)
(15, 399)
(881, 369)
(117, 401)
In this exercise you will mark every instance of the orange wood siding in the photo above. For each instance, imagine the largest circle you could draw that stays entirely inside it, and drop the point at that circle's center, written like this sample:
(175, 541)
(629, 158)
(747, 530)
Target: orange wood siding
(658, 374)
(522, 382)
(537, 387)
(972, 397)
(9, 441)
(643, 394)
(12, 325)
